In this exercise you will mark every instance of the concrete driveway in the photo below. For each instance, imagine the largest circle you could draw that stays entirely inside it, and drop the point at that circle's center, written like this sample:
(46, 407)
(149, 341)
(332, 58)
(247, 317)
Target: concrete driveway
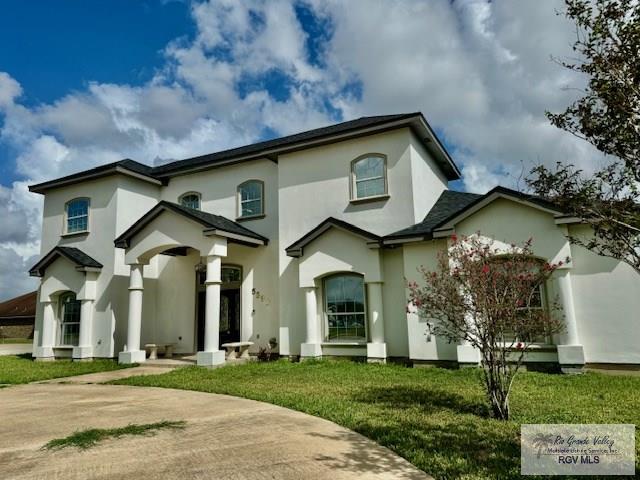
(225, 437)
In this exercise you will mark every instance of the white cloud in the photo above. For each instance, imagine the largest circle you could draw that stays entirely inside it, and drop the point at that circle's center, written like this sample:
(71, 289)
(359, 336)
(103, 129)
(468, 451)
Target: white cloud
(480, 71)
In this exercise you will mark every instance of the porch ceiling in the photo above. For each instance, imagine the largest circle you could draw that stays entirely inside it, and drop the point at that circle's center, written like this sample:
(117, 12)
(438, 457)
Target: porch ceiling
(212, 225)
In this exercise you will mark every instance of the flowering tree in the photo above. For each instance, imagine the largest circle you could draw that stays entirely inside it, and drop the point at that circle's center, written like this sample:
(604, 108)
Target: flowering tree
(493, 299)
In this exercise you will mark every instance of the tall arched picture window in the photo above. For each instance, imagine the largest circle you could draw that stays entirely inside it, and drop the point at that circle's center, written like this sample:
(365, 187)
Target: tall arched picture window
(535, 300)
(345, 307)
(190, 200)
(251, 199)
(69, 319)
(368, 176)
(77, 215)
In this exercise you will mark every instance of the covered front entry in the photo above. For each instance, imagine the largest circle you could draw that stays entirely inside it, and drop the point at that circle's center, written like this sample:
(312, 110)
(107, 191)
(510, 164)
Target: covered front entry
(170, 227)
(229, 330)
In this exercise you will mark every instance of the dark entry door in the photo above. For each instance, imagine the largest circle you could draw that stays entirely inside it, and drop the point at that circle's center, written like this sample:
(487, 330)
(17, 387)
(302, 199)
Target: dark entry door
(229, 317)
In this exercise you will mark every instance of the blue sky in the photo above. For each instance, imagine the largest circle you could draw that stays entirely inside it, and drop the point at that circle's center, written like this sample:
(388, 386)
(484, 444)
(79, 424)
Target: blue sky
(88, 82)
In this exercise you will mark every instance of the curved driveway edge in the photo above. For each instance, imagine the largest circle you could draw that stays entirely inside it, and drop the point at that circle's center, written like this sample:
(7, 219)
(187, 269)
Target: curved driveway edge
(225, 437)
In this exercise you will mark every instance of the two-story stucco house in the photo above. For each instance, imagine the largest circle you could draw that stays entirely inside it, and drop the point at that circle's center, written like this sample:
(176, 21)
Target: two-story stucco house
(307, 239)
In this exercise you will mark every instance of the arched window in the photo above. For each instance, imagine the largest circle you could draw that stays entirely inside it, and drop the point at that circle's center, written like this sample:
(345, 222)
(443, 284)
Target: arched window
(77, 215)
(251, 199)
(368, 176)
(345, 307)
(190, 200)
(69, 319)
(535, 300)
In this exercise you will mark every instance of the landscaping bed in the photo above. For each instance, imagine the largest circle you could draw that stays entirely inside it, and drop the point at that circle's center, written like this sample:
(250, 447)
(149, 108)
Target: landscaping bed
(435, 418)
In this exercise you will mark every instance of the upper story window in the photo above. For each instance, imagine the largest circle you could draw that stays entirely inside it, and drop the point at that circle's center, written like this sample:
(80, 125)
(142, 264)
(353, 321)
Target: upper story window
(345, 307)
(251, 199)
(77, 215)
(190, 200)
(369, 176)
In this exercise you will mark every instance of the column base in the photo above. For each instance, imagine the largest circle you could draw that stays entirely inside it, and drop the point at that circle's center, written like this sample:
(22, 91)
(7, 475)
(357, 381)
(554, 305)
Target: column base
(377, 352)
(209, 359)
(43, 354)
(310, 350)
(571, 358)
(132, 356)
(82, 353)
(468, 356)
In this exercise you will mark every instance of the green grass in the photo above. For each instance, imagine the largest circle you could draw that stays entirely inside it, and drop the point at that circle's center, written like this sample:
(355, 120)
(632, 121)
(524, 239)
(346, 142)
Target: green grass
(15, 340)
(90, 438)
(16, 369)
(435, 418)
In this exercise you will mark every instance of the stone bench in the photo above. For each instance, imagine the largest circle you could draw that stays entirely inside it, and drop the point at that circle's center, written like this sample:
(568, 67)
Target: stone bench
(152, 350)
(242, 351)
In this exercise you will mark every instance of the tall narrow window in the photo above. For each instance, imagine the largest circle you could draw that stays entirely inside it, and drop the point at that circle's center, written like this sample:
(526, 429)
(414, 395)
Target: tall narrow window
(69, 319)
(368, 176)
(345, 307)
(190, 200)
(251, 199)
(77, 213)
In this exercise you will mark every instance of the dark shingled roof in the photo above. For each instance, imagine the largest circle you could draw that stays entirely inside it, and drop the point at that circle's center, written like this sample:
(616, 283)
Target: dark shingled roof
(271, 149)
(96, 172)
(448, 204)
(76, 255)
(22, 306)
(207, 220)
(258, 148)
(295, 249)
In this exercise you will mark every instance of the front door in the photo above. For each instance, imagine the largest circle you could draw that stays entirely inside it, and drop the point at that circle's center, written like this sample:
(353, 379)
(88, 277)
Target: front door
(229, 316)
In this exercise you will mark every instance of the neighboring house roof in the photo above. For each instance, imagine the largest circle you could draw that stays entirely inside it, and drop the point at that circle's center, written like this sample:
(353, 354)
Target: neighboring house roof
(452, 207)
(22, 306)
(83, 261)
(297, 247)
(272, 148)
(214, 225)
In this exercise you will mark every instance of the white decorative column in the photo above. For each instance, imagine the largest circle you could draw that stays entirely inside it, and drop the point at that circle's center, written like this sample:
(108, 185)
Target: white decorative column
(84, 350)
(132, 352)
(570, 352)
(311, 348)
(212, 355)
(377, 348)
(467, 354)
(45, 352)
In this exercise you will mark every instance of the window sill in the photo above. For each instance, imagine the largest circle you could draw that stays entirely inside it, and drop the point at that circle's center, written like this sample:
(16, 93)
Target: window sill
(63, 347)
(252, 217)
(344, 344)
(75, 234)
(376, 198)
(535, 347)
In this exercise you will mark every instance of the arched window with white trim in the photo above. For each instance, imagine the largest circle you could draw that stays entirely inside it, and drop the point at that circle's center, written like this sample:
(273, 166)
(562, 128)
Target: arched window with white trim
(77, 215)
(251, 199)
(190, 200)
(369, 176)
(345, 309)
(69, 319)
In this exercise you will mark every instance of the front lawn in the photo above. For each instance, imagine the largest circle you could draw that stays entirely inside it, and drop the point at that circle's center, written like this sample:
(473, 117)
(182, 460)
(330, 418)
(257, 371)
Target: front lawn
(23, 369)
(435, 418)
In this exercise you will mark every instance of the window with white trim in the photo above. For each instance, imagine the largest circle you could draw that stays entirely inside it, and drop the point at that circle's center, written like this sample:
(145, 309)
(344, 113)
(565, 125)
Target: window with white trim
(69, 320)
(345, 307)
(535, 301)
(368, 176)
(190, 200)
(77, 215)
(251, 199)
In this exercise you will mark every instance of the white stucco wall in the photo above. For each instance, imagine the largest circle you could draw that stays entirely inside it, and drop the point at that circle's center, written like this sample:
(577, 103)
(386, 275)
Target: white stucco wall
(314, 184)
(607, 301)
